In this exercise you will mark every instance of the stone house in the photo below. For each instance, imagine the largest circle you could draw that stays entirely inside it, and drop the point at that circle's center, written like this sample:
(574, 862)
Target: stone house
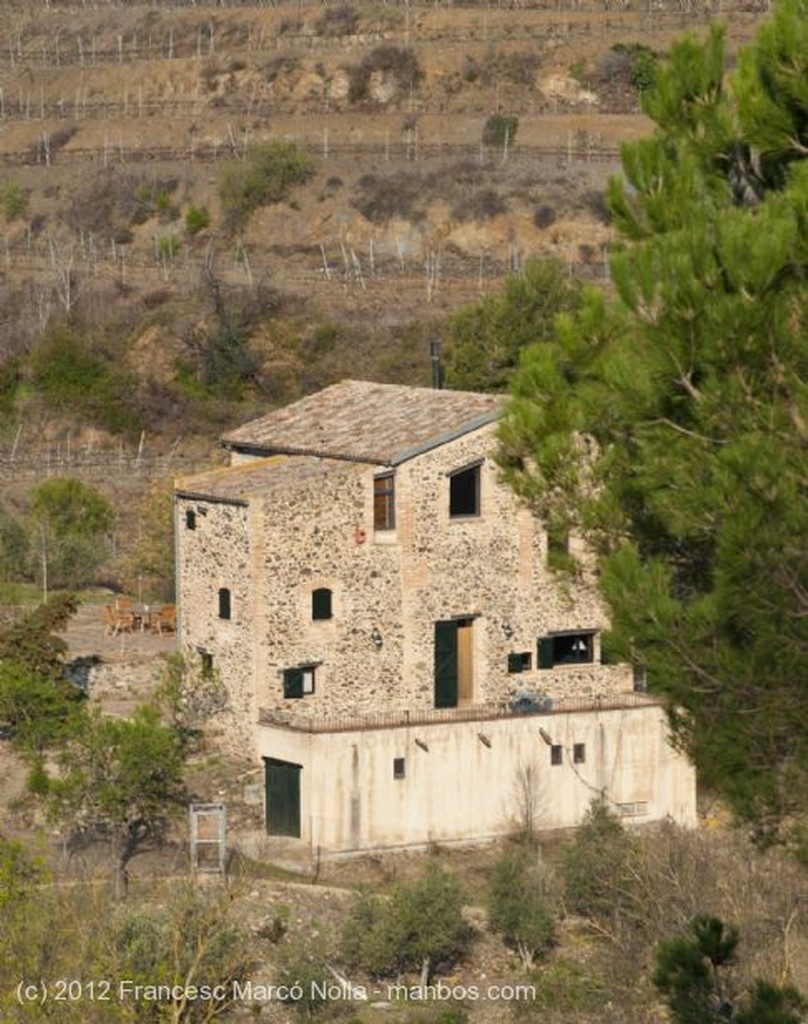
(397, 655)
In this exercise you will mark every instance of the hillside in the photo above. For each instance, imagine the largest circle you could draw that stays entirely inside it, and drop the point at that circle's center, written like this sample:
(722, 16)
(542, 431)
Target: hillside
(115, 121)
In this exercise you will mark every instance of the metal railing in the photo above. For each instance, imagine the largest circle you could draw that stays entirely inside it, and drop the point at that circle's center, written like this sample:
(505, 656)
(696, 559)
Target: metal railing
(444, 716)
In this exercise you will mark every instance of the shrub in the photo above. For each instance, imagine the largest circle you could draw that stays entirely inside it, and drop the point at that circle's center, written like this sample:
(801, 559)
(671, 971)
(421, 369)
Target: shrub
(500, 129)
(337, 21)
(420, 927)
(518, 907)
(399, 67)
(14, 201)
(594, 863)
(197, 218)
(267, 176)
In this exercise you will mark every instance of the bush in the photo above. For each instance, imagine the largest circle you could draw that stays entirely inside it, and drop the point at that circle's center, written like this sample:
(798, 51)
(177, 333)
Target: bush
(420, 927)
(197, 219)
(266, 177)
(76, 524)
(70, 376)
(398, 67)
(337, 21)
(14, 201)
(518, 907)
(500, 129)
(594, 864)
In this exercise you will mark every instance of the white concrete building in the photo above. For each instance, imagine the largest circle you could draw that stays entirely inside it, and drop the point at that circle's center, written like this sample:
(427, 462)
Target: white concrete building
(396, 651)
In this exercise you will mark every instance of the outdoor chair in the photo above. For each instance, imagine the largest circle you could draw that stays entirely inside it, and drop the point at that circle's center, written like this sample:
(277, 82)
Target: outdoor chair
(165, 621)
(118, 621)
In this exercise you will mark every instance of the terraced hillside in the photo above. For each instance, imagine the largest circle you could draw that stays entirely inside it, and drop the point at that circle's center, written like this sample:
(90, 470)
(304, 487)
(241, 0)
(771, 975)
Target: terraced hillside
(449, 143)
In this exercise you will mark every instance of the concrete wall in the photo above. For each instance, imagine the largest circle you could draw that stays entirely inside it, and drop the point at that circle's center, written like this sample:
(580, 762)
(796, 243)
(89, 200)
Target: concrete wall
(476, 779)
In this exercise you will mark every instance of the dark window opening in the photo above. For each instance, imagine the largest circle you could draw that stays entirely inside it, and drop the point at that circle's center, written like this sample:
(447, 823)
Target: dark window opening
(464, 492)
(190, 519)
(384, 502)
(521, 662)
(399, 768)
(578, 753)
(207, 663)
(321, 604)
(298, 682)
(556, 754)
(224, 603)
(566, 649)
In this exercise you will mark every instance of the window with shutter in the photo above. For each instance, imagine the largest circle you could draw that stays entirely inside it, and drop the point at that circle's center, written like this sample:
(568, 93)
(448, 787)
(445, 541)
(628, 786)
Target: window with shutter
(384, 502)
(224, 603)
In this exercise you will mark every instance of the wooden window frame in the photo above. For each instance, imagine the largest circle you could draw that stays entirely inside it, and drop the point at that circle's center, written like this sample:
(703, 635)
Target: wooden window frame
(300, 678)
(384, 501)
(322, 604)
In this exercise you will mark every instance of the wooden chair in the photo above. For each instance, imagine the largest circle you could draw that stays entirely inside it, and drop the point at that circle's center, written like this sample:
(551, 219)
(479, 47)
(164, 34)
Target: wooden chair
(165, 621)
(118, 621)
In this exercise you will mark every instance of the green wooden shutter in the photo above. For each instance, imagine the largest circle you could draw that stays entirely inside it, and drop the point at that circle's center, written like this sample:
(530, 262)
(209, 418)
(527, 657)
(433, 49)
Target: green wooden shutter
(446, 664)
(282, 780)
(516, 663)
(293, 682)
(545, 652)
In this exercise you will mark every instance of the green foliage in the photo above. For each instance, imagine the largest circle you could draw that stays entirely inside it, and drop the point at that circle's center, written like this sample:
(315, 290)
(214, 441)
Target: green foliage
(120, 779)
(13, 201)
(167, 247)
(419, 927)
(594, 864)
(305, 968)
(518, 906)
(75, 523)
(32, 642)
(14, 547)
(486, 339)
(689, 974)
(36, 712)
(197, 218)
(399, 67)
(70, 376)
(500, 130)
(10, 381)
(267, 176)
(668, 427)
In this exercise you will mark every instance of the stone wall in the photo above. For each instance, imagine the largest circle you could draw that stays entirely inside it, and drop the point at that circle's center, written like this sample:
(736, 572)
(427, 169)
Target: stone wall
(312, 530)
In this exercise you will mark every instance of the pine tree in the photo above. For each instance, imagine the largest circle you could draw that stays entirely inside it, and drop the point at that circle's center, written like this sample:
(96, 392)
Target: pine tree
(670, 425)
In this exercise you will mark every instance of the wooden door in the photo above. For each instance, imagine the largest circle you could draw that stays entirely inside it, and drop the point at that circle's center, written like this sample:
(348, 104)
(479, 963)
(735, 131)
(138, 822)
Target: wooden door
(465, 662)
(282, 797)
(446, 664)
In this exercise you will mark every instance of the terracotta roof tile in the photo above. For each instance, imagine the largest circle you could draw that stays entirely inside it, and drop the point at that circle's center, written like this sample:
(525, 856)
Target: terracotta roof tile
(366, 422)
(241, 482)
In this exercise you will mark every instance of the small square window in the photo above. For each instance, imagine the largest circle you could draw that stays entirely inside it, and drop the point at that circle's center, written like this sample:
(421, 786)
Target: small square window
(578, 753)
(464, 492)
(399, 768)
(190, 519)
(521, 662)
(224, 603)
(556, 754)
(298, 682)
(384, 502)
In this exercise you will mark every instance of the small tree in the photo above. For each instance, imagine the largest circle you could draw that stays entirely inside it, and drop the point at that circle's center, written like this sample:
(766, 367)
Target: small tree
(690, 975)
(518, 907)
(75, 523)
(594, 864)
(419, 927)
(120, 780)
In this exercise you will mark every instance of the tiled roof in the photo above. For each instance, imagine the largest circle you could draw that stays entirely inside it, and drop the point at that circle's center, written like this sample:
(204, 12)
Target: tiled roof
(240, 482)
(366, 422)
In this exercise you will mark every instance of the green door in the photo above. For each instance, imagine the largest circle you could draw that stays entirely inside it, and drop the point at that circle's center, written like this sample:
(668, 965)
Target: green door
(446, 664)
(282, 797)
